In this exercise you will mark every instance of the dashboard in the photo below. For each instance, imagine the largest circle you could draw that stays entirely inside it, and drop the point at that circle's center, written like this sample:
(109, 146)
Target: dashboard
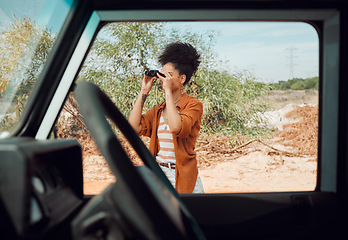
(41, 184)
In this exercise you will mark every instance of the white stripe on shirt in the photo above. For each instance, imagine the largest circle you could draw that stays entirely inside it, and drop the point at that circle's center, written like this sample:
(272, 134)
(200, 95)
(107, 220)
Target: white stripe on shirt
(166, 146)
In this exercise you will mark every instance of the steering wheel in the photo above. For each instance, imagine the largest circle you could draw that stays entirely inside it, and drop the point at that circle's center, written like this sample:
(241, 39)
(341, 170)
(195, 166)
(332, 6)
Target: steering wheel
(142, 201)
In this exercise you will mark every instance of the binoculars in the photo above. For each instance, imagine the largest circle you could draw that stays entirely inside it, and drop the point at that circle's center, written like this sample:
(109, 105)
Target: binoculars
(153, 73)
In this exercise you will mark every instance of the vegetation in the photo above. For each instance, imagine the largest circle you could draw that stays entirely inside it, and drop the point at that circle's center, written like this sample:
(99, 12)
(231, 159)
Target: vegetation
(296, 84)
(123, 51)
(24, 47)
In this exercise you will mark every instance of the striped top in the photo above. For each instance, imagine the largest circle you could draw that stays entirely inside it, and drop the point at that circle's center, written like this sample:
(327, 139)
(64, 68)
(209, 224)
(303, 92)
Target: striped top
(166, 146)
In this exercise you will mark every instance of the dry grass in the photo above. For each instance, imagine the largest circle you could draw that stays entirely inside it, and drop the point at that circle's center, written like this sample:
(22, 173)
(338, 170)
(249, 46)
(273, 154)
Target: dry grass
(301, 135)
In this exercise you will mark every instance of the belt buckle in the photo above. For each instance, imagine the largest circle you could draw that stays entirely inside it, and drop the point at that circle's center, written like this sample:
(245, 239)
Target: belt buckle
(171, 165)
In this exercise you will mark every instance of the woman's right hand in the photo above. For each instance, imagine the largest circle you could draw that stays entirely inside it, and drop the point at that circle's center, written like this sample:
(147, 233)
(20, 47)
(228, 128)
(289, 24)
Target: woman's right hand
(147, 84)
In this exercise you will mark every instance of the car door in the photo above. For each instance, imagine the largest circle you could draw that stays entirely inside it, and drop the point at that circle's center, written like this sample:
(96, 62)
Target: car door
(272, 215)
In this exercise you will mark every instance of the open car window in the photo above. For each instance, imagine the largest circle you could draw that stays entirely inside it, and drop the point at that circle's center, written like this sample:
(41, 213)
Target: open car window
(28, 30)
(258, 85)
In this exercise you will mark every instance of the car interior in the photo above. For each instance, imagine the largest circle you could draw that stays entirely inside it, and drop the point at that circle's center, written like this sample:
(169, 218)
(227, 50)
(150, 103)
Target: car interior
(41, 178)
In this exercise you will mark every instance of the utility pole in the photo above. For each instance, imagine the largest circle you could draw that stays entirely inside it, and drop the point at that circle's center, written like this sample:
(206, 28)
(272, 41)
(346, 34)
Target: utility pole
(291, 61)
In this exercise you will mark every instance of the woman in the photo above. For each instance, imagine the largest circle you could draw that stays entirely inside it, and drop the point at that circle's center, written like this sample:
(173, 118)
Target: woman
(173, 125)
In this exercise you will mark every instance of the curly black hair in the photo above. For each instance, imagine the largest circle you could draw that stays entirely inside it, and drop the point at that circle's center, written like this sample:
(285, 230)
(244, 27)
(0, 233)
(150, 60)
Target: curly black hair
(183, 56)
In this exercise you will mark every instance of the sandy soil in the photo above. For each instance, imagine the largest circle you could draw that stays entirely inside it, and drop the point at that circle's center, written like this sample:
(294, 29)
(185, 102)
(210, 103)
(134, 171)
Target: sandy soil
(260, 170)
(287, 161)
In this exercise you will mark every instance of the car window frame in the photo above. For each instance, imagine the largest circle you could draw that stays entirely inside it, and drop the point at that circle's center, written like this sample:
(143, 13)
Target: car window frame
(325, 20)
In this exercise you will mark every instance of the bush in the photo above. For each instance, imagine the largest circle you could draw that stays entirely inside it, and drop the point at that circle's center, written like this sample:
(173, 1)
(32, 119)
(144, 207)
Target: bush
(298, 85)
(311, 83)
(284, 85)
(230, 101)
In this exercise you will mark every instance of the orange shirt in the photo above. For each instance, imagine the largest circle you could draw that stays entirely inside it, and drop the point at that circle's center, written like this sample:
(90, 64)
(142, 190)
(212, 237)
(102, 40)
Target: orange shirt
(191, 111)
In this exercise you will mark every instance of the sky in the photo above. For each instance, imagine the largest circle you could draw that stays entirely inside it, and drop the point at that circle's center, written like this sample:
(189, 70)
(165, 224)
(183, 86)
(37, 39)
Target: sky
(49, 13)
(270, 51)
(18, 8)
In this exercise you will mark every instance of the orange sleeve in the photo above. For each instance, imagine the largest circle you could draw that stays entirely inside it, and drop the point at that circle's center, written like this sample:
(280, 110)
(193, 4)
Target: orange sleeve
(146, 122)
(190, 115)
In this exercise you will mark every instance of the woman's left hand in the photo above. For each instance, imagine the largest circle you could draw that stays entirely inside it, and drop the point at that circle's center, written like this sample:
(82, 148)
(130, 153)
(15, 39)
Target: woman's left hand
(166, 81)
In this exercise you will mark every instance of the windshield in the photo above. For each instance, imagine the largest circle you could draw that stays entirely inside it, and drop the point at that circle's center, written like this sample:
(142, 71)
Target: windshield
(28, 29)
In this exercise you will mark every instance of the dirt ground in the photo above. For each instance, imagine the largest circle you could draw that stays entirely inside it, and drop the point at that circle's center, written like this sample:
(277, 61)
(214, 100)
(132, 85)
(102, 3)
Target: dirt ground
(285, 161)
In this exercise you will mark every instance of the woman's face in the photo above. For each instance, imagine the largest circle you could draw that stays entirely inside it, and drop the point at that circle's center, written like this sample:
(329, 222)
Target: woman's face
(177, 79)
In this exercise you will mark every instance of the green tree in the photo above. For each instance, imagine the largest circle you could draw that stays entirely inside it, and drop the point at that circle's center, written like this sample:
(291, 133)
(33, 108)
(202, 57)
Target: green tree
(119, 57)
(311, 83)
(24, 47)
(284, 85)
(297, 85)
(13, 41)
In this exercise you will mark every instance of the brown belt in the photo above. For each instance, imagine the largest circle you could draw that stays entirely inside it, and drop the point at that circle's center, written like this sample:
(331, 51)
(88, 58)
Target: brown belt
(168, 165)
